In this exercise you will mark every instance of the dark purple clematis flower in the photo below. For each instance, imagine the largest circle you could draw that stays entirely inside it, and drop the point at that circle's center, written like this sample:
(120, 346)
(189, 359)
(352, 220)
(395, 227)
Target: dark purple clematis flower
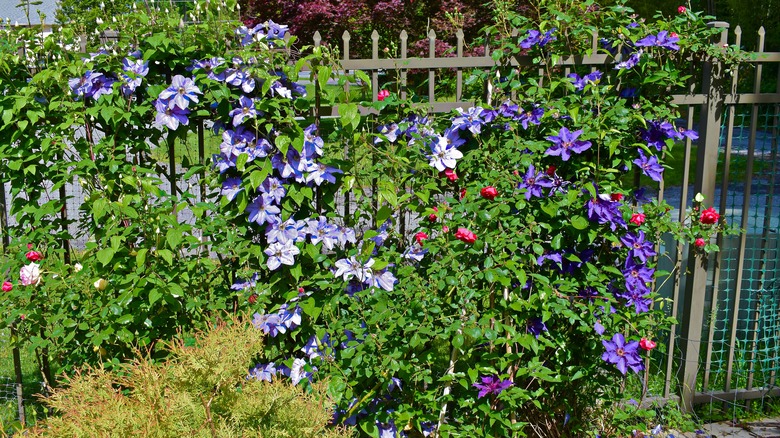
(533, 38)
(638, 298)
(603, 210)
(624, 355)
(535, 326)
(273, 188)
(492, 385)
(650, 166)
(637, 276)
(508, 109)
(533, 182)
(663, 39)
(638, 246)
(532, 116)
(580, 82)
(565, 143)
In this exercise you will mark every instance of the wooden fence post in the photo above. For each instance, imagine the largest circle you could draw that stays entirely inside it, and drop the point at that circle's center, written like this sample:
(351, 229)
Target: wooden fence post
(706, 168)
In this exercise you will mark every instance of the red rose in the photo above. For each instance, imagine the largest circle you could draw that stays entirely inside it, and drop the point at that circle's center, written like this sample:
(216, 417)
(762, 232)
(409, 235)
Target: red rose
(432, 217)
(252, 299)
(465, 235)
(34, 256)
(637, 219)
(647, 344)
(616, 196)
(700, 242)
(462, 193)
(300, 290)
(8, 286)
(551, 170)
(450, 174)
(419, 237)
(709, 216)
(382, 95)
(681, 9)
(489, 193)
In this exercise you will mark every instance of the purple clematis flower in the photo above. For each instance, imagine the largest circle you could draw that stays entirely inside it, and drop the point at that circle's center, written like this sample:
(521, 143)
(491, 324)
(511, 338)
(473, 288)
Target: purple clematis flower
(471, 120)
(245, 110)
(284, 232)
(603, 210)
(638, 246)
(491, 385)
(281, 254)
(631, 62)
(351, 267)
(320, 173)
(443, 156)
(637, 276)
(580, 82)
(230, 188)
(262, 210)
(276, 31)
(565, 143)
(208, 66)
(264, 372)
(663, 39)
(650, 166)
(321, 231)
(624, 355)
(533, 116)
(273, 188)
(181, 92)
(535, 326)
(170, 117)
(533, 182)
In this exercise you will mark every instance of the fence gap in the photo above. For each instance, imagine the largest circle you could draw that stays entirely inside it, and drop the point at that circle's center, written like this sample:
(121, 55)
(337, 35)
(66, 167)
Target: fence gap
(745, 212)
(431, 72)
(706, 167)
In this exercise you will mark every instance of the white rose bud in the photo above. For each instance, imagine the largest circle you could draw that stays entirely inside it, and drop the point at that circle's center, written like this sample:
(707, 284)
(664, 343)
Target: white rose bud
(101, 284)
(77, 267)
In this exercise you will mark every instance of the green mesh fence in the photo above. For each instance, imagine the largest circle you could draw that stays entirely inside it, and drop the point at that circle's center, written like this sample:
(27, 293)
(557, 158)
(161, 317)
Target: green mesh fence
(744, 319)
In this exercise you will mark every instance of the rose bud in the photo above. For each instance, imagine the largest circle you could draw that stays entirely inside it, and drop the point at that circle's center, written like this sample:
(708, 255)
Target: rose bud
(489, 193)
(647, 344)
(699, 242)
(34, 256)
(419, 237)
(8, 286)
(432, 217)
(681, 9)
(637, 219)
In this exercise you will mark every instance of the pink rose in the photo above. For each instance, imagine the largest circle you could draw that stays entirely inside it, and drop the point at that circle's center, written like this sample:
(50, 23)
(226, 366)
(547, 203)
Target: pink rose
(709, 216)
(445, 229)
(489, 193)
(681, 9)
(8, 286)
(30, 275)
(637, 219)
(382, 95)
(465, 235)
(647, 344)
(34, 256)
(432, 217)
(699, 242)
(450, 174)
(419, 237)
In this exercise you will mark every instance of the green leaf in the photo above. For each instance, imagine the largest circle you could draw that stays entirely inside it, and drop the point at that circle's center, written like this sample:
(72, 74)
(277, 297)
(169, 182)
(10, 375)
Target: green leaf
(174, 238)
(167, 255)
(105, 255)
(140, 257)
(579, 222)
(154, 296)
